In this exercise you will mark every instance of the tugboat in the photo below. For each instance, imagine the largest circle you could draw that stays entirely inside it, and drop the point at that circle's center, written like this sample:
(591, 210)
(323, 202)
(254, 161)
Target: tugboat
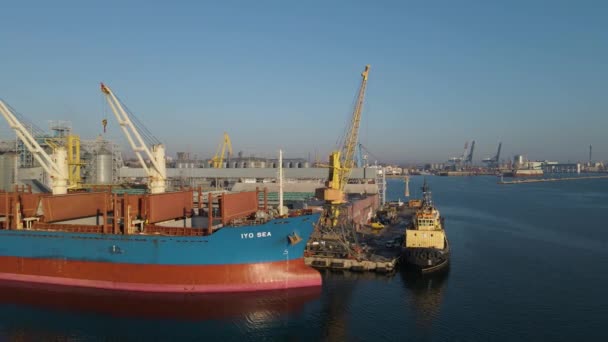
(426, 246)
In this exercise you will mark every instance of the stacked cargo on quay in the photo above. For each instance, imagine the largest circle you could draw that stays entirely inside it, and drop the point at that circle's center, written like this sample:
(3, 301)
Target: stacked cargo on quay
(161, 243)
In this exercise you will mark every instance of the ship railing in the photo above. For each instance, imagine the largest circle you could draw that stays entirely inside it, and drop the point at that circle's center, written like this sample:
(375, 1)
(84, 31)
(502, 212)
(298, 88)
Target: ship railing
(69, 228)
(173, 231)
(246, 222)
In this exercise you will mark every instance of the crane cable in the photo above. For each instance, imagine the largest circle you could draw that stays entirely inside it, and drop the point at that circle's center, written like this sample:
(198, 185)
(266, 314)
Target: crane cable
(341, 140)
(364, 148)
(104, 113)
(143, 130)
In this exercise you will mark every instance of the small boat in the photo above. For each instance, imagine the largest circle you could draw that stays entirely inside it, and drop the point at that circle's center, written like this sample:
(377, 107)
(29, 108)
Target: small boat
(426, 245)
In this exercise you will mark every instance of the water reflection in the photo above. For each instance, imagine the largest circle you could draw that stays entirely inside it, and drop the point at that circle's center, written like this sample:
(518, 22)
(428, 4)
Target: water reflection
(43, 314)
(426, 294)
(337, 301)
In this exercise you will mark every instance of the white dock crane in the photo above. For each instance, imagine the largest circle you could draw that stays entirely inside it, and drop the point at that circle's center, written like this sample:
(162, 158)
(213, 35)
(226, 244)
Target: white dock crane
(56, 165)
(157, 172)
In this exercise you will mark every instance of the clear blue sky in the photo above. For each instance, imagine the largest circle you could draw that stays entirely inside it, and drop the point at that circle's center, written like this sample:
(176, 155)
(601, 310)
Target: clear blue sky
(284, 74)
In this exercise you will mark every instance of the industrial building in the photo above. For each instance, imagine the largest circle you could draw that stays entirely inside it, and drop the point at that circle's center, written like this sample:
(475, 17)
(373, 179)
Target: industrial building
(102, 164)
(99, 162)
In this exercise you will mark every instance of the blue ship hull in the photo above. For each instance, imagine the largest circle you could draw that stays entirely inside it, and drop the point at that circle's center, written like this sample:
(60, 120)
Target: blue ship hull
(231, 259)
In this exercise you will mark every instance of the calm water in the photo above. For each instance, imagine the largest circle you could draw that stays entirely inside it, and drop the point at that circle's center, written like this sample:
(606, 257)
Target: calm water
(529, 262)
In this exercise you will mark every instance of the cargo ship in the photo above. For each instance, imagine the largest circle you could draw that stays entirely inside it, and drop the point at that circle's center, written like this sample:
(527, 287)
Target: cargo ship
(426, 246)
(142, 243)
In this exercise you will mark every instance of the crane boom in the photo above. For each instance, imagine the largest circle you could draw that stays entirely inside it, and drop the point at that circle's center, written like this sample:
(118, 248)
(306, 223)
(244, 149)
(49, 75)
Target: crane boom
(55, 165)
(497, 157)
(218, 158)
(341, 161)
(352, 137)
(495, 160)
(157, 173)
(464, 153)
(469, 158)
(366, 155)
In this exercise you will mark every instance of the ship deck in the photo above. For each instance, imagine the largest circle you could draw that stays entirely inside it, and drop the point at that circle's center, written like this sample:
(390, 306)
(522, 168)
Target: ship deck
(182, 213)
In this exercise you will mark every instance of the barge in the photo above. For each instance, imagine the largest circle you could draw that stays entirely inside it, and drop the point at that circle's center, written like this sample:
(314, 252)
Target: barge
(359, 245)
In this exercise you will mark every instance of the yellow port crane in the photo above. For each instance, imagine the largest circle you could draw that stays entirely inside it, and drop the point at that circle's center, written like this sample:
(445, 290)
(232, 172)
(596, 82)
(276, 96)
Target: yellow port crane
(218, 159)
(341, 161)
(71, 142)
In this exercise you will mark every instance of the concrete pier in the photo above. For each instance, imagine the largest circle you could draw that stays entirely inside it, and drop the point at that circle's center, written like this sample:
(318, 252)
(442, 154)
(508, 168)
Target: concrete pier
(540, 180)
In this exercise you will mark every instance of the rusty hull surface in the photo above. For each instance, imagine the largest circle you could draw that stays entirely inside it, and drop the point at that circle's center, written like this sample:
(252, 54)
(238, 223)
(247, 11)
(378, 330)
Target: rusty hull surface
(362, 210)
(239, 205)
(29, 203)
(154, 208)
(73, 206)
(168, 206)
(70, 228)
(135, 203)
(5, 203)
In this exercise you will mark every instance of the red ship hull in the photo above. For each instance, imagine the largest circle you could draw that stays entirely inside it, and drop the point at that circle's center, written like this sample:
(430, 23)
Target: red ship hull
(154, 305)
(160, 278)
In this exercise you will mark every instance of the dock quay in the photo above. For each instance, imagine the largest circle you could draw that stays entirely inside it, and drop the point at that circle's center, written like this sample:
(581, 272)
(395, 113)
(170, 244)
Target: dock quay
(380, 265)
(376, 250)
(466, 173)
(540, 180)
(457, 173)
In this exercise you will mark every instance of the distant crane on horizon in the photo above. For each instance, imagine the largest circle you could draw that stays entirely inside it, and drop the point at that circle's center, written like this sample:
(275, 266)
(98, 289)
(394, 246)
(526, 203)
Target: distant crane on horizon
(459, 159)
(217, 161)
(467, 155)
(469, 159)
(494, 161)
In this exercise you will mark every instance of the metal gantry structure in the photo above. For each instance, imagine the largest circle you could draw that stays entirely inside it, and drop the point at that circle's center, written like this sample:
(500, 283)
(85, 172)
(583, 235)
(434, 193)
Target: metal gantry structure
(364, 157)
(64, 137)
(156, 172)
(494, 161)
(460, 159)
(342, 160)
(218, 159)
(56, 164)
(360, 158)
(466, 159)
(469, 158)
